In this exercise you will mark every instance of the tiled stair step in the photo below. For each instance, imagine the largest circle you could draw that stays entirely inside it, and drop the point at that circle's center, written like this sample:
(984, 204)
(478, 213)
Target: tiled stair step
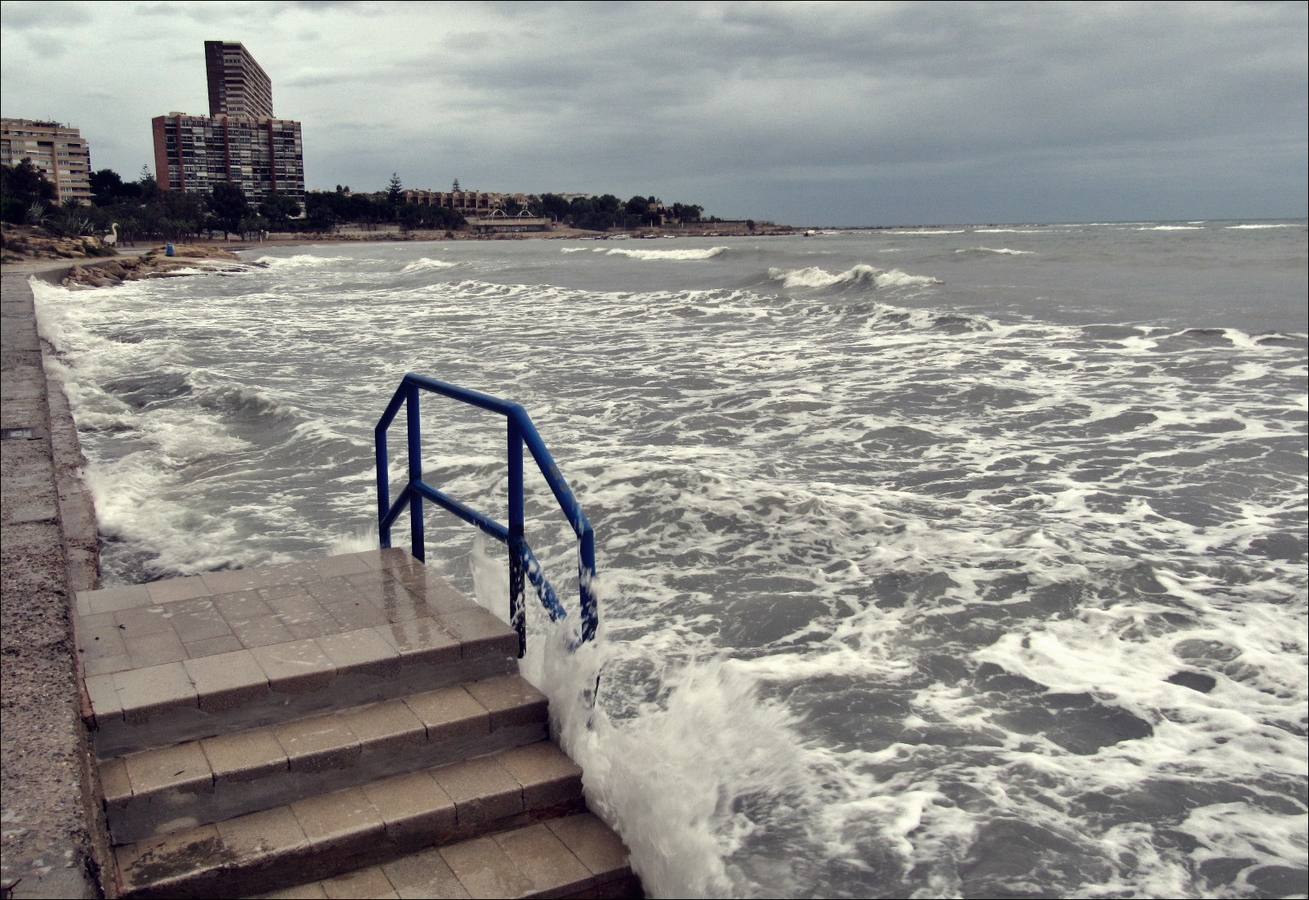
(200, 782)
(571, 856)
(371, 824)
(193, 657)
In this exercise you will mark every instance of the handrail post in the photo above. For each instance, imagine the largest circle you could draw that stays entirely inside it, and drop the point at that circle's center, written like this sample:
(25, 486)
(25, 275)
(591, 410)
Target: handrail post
(517, 612)
(415, 472)
(383, 490)
(585, 577)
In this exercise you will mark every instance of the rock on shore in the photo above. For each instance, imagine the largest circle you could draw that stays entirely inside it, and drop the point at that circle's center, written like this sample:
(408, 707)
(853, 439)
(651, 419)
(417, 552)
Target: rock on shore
(155, 264)
(22, 242)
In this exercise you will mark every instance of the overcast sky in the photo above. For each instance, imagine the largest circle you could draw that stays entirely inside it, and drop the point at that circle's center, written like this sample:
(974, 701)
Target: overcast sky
(841, 113)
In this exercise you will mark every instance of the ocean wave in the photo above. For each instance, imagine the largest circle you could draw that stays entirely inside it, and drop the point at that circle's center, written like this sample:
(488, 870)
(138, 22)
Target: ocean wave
(1006, 231)
(814, 277)
(683, 254)
(929, 231)
(1004, 251)
(426, 264)
(1171, 228)
(575, 249)
(299, 261)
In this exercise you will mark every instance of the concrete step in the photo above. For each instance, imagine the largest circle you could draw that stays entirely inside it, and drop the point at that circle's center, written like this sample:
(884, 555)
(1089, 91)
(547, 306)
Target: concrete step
(571, 856)
(189, 658)
(372, 824)
(201, 782)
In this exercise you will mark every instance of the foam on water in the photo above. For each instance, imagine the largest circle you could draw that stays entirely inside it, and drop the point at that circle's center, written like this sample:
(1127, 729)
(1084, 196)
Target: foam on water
(427, 264)
(1000, 251)
(679, 254)
(898, 597)
(814, 277)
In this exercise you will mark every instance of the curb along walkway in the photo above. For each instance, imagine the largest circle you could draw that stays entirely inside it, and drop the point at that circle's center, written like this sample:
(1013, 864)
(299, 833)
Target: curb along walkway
(48, 535)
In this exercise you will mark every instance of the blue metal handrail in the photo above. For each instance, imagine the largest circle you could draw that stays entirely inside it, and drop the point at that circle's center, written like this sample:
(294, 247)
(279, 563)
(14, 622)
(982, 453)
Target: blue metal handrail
(522, 561)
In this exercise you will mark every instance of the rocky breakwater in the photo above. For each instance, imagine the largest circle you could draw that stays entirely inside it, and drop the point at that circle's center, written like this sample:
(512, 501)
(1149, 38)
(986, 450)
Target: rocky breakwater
(19, 243)
(187, 259)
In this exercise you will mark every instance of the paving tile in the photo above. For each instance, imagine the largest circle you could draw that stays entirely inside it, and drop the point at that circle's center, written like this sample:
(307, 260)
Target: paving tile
(510, 699)
(421, 640)
(197, 620)
(242, 606)
(543, 858)
(244, 756)
(172, 589)
(147, 692)
(99, 636)
(481, 789)
(391, 723)
(336, 820)
(317, 743)
(362, 884)
(228, 643)
(103, 692)
(592, 842)
(262, 834)
(412, 805)
(374, 559)
(167, 856)
(430, 589)
(114, 783)
(485, 870)
(227, 680)
(351, 614)
(295, 667)
(143, 620)
(107, 665)
(261, 632)
(361, 651)
(480, 633)
(114, 599)
(232, 580)
(183, 767)
(546, 773)
(154, 649)
(422, 875)
(450, 712)
(312, 891)
(346, 564)
(332, 590)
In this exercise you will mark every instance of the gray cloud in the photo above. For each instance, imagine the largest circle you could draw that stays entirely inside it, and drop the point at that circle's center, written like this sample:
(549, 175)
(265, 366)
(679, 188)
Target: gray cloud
(854, 113)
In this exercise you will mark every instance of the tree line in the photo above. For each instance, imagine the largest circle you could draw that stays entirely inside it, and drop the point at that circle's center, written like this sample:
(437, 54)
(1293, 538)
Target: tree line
(143, 211)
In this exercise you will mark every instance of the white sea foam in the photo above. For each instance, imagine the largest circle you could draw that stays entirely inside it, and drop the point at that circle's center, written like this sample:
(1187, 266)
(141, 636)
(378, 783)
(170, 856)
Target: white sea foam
(1007, 231)
(815, 277)
(929, 231)
(300, 261)
(681, 254)
(425, 264)
(1004, 251)
(1172, 228)
(1262, 225)
(575, 249)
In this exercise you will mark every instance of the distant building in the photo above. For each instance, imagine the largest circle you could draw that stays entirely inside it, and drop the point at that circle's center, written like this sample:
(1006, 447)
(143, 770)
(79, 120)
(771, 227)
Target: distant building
(261, 156)
(468, 202)
(59, 151)
(239, 142)
(238, 86)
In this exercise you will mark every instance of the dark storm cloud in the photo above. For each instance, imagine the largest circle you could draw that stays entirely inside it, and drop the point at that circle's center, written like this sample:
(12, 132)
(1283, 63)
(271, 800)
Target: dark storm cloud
(804, 112)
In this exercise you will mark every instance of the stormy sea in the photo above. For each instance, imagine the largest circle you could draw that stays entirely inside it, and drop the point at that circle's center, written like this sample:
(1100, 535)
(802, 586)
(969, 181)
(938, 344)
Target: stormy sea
(962, 561)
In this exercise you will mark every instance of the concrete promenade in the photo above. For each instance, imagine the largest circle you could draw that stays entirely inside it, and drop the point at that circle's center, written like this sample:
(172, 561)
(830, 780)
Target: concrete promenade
(49, 551)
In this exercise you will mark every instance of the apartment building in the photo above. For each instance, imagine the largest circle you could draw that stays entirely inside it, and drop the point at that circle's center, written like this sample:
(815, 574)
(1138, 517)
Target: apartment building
(261, 156)
(57, 150)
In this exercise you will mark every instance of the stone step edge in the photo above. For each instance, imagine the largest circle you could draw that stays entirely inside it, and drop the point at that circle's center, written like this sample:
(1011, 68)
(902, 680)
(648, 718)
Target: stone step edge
(340, 831)
(143, 787)
(561, 857)
(218, 683)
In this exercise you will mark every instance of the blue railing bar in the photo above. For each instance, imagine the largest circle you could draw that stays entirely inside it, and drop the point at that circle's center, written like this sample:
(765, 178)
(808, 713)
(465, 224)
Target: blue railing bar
(393, 513)
(383, 474)
(417, 545)
(463, 511)
(476, 398)
(544, 590)
(517, 543)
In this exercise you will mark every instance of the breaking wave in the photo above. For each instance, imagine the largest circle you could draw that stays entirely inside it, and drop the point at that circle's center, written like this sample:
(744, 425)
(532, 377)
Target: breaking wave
(1003, 251)
(300, 261)
(814, 277)
(426, 264)
(686, 254)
